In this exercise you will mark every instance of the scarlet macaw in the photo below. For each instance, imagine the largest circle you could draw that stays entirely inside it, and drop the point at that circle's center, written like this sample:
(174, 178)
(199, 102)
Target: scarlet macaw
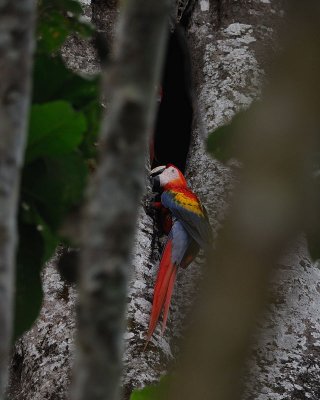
(190, 231)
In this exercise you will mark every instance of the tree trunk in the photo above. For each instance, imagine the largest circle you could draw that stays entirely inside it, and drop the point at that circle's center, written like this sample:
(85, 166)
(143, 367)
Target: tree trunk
(114, 197)
(230, 45)
(16, 50)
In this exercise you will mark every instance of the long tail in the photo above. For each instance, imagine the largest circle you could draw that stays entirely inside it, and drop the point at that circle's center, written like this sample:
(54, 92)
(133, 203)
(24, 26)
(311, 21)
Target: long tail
(163, 290)
(168, 297)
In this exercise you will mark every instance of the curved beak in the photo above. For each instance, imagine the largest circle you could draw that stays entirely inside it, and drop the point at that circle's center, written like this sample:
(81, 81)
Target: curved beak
(155, 178)
(157, 171)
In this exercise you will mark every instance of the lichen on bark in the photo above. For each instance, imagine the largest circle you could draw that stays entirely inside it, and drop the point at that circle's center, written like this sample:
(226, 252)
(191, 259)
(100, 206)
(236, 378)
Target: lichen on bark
(42, 358)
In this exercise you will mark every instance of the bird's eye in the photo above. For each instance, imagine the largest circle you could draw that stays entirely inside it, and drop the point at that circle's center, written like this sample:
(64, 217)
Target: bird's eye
(172, 170)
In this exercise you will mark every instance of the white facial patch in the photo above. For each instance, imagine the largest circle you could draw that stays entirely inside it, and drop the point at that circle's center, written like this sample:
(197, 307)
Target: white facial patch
(168, 175)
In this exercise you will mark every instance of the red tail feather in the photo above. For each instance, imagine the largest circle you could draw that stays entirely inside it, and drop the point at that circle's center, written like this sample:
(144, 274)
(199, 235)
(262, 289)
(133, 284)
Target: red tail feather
(162, 290)
(168, 297)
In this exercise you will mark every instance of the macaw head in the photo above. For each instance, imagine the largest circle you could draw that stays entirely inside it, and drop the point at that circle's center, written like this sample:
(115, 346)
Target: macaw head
(167, 176)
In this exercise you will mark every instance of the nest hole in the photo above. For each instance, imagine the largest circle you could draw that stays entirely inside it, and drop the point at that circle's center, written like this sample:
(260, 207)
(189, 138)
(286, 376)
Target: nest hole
(175, 114)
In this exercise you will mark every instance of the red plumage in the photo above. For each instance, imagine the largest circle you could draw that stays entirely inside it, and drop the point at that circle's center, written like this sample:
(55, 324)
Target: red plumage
(163, 288)
(189, 231)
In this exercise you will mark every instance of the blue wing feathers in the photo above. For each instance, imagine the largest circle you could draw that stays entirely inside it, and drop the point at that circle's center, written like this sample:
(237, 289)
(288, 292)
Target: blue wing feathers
(197, 226)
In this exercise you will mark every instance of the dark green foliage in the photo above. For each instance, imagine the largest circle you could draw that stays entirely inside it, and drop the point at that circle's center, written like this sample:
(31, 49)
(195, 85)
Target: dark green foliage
(29, 291)
(53, 81)
(55, 129)
(53, 185)
(56, 20)
(220, 143)
(314, 244)
(64, 122)
(153, 392)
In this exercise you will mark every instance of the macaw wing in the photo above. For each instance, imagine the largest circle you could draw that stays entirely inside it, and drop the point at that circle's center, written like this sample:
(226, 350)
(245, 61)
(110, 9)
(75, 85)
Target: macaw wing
(187, 208)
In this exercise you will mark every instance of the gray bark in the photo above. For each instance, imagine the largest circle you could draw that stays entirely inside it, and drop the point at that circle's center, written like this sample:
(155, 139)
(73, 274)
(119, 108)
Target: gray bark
(16, 49)
(42, 359)
(230, 45)
(114, 196)
(78, 53)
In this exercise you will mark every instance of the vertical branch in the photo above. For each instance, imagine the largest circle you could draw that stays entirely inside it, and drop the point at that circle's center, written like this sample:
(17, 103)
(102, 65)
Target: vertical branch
(114, 195)
(16, 48)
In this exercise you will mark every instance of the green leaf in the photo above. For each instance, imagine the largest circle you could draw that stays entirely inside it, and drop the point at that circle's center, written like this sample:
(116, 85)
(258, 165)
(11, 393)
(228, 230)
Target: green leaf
(93, 115)
(59, 19)
(55, 129)
(52, 31)
(64, 122)
(220, 141)
(153, 392)
(29, 215)
(62, 84)
(82, 93)
(54, 186)
(72, 6)
(28, 297)
(314, 245)
(50, 188)
(37, 244)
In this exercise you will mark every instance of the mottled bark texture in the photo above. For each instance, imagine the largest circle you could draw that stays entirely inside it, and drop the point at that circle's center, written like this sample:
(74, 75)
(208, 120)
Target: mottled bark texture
(16, 49)
(42, 359)
(104, 16)
(230, 43)
(79, 53)
(114, 195)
